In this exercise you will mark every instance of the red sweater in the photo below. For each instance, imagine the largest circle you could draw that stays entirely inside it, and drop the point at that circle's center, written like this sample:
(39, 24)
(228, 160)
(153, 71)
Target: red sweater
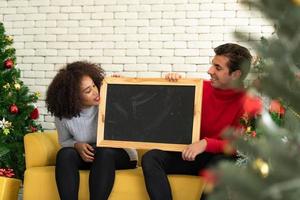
(220, 109)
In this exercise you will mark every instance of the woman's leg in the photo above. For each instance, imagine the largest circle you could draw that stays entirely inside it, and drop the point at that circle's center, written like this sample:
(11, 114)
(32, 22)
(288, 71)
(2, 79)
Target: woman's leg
(68, 163)
(102, 174)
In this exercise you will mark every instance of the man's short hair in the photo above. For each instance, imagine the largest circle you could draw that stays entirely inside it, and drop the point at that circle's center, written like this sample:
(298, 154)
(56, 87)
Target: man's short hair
(239, 57)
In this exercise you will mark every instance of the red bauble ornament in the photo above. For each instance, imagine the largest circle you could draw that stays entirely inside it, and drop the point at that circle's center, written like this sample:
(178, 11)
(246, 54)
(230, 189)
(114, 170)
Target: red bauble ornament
(14, 109)
(9, 63)
(34, 114)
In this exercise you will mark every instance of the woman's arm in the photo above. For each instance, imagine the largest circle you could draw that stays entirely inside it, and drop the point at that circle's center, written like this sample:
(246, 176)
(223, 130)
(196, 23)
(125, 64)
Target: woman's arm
(64, 137)
(85, 150)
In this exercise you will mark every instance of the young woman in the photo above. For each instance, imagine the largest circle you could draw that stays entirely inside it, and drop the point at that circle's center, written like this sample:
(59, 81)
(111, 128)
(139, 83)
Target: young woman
(73, 98)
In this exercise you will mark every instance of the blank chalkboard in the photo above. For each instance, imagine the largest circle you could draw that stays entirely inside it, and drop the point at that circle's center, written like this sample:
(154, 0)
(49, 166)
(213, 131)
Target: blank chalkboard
(149, 113)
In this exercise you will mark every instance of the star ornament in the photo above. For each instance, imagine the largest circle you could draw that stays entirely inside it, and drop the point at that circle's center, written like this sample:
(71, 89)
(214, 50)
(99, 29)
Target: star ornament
(6, 131)
(2, 123)
(5, 124)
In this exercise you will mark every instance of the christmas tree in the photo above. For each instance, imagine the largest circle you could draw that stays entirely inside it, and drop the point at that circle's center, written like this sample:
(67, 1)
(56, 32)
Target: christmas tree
(17, 110)
(272, 170)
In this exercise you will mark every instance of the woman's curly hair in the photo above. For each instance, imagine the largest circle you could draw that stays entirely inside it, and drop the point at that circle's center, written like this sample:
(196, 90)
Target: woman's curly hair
(63, 98)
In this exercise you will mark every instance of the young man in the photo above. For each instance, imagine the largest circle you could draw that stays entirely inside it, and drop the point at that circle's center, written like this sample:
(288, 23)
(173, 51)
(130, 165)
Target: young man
(222, 107)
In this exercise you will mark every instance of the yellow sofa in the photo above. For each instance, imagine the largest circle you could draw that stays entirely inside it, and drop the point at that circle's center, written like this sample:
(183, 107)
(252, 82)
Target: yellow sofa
(39, 178)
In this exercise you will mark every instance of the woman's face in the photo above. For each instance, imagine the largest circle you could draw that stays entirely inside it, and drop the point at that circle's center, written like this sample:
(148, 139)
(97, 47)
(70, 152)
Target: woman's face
(89, 92)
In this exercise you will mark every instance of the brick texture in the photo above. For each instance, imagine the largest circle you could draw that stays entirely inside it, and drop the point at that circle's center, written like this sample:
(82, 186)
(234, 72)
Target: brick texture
(136, 38)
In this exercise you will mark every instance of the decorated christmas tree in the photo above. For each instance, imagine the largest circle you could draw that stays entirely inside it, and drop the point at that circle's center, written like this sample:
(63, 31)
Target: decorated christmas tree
(272, 170)
(17, 111)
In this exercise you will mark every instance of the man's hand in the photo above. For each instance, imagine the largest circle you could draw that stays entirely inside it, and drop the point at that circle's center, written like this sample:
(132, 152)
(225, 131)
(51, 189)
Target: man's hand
(173, 77)
(193, 150)
(85, 150)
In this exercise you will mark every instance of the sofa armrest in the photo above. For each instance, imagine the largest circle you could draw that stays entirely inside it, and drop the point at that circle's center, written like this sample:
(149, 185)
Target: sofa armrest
(41, 148)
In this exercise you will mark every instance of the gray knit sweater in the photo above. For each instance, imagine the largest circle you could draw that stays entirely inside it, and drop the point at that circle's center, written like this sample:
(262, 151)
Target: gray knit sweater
(82, 129)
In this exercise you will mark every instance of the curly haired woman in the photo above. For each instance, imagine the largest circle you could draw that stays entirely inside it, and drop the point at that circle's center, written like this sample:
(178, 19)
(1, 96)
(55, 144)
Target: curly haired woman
(73, 98)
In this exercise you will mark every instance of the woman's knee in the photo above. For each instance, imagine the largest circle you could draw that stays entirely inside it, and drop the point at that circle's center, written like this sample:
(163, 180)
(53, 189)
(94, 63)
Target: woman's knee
(66, 154)
(105, 153)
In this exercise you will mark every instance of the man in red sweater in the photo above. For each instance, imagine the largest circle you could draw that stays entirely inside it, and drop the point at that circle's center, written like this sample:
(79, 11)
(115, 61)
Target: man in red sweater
(222, 107)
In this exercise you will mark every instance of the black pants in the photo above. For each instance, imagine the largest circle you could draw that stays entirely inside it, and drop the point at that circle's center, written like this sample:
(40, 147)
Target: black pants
(102, 171)
(158, 164)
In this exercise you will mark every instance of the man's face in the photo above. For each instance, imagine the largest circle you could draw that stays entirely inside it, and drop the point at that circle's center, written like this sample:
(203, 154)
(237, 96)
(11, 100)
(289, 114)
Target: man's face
(219, 73)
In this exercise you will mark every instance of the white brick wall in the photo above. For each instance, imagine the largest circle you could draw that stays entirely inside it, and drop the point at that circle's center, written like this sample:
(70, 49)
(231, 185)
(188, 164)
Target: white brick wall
(136, 38)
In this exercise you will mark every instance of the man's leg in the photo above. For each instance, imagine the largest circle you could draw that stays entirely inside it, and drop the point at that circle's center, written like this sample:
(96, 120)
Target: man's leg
(157, 164)
(213, 161)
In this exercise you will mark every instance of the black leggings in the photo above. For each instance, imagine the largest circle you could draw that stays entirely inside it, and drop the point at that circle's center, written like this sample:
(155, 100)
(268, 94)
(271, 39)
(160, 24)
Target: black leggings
(158, 164)
(102, 171)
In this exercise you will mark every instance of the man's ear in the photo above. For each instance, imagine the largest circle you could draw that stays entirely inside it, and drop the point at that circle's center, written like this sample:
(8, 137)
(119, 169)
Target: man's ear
(236, 74)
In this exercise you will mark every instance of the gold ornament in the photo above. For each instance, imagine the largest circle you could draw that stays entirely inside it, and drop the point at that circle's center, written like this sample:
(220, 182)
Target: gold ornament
(37, 94)
(262, 167)
(9, 38)
(6, 86)
(296, 2)
(248, 129)
(8, 124)
(17, 86)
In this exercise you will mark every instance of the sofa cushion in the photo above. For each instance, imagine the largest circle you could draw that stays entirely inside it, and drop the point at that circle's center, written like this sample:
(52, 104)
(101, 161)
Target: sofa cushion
(41, 149)
(129, 185)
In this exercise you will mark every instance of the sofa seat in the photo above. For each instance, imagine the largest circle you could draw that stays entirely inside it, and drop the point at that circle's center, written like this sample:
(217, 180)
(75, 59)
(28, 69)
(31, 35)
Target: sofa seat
(39, 178)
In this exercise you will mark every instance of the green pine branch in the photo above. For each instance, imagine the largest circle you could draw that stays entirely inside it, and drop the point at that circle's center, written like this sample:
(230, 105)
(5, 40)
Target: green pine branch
(269, 168)
(14, 123)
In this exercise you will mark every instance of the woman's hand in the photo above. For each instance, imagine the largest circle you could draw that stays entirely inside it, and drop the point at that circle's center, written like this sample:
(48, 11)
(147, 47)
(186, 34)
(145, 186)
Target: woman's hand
(193, 150)
(172, 77)
(85, 150)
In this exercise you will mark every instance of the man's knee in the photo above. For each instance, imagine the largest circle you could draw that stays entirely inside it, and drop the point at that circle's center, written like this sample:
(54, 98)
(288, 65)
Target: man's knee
(151, 157)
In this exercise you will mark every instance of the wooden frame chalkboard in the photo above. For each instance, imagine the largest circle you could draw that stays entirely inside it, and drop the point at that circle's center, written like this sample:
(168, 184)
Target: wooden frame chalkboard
(149, 113)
